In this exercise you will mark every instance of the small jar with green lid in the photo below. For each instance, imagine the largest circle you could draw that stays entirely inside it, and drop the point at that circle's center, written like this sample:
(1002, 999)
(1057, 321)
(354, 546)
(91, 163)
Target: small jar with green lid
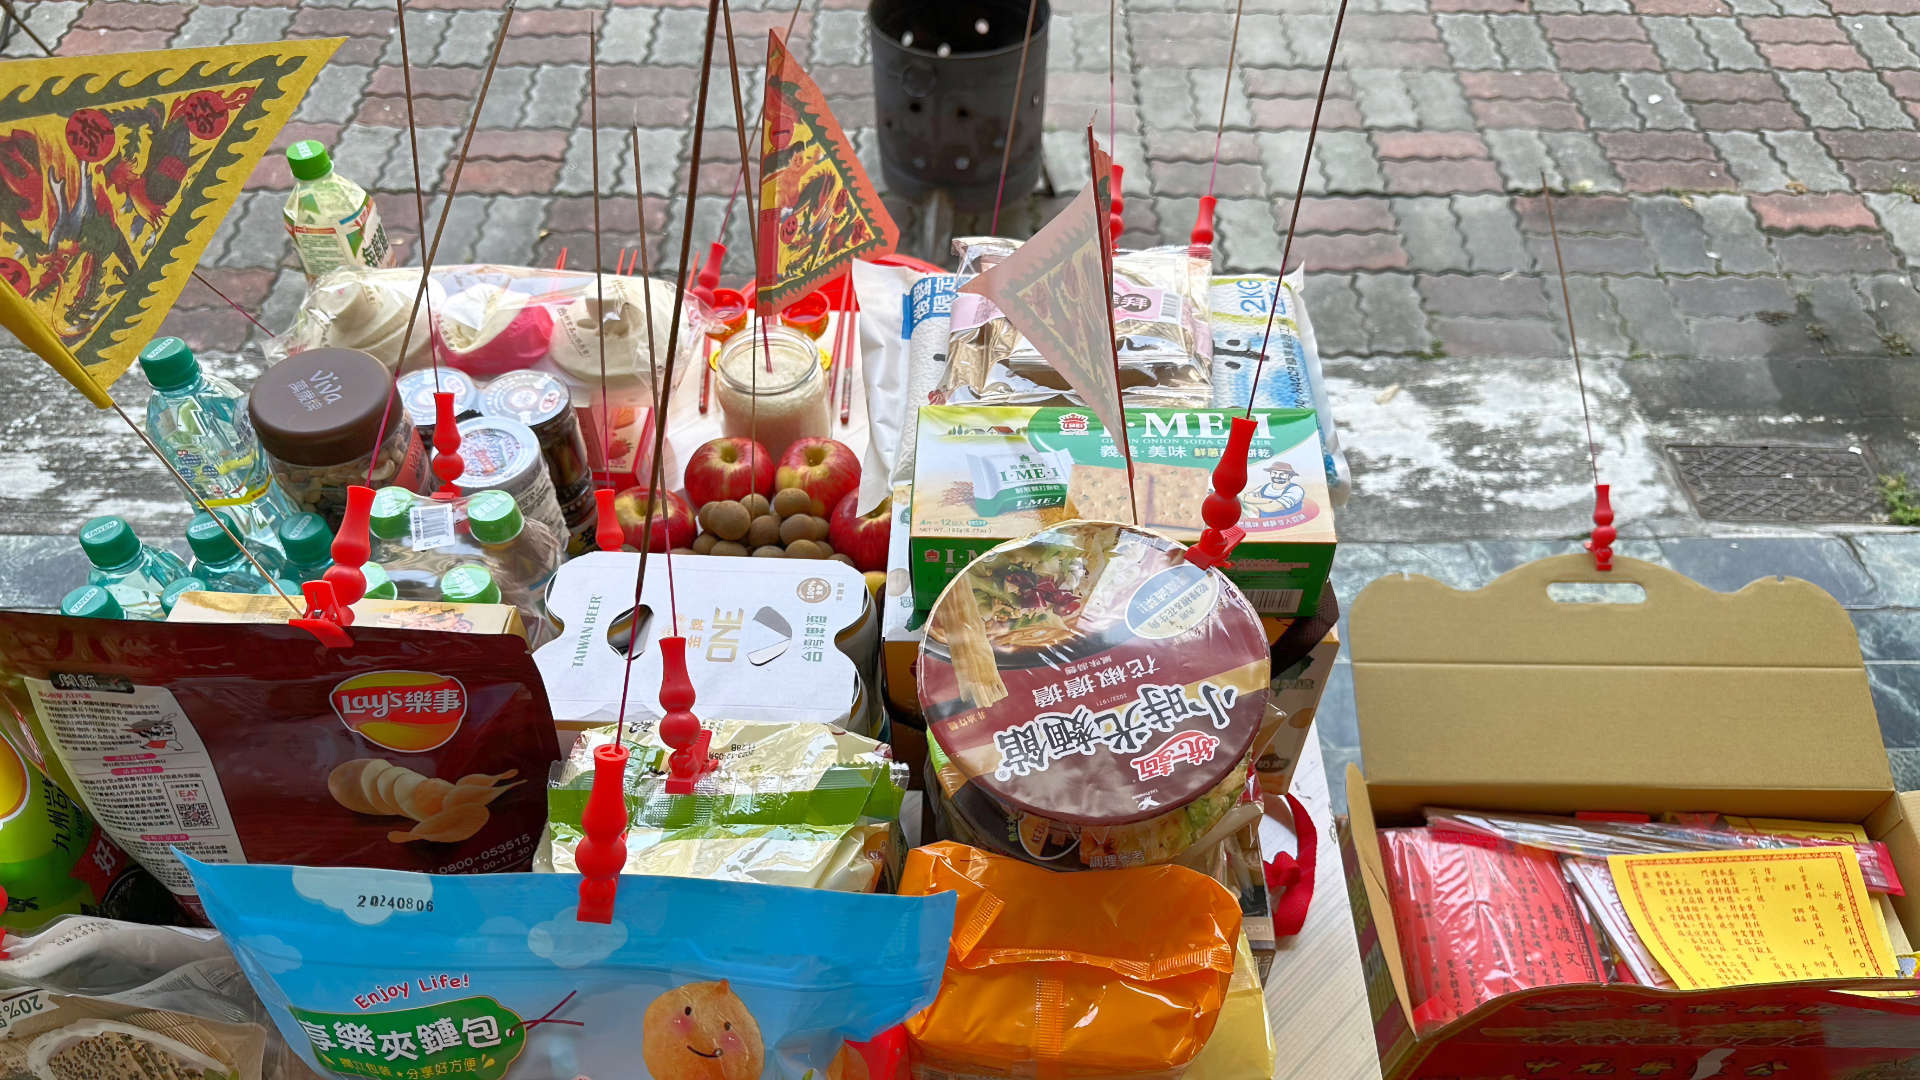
(469, 583)
(309, 547)
(93, 602)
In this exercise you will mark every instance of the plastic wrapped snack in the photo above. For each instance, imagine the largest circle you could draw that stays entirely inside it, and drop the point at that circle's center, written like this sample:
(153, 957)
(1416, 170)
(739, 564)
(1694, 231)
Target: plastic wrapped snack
(790, 804)
(1239, 310)
(1092, 698)
(1478, 920)
(1121, 973)
(92, 997)
(1159, 317)
(248, 742)
(375, 973)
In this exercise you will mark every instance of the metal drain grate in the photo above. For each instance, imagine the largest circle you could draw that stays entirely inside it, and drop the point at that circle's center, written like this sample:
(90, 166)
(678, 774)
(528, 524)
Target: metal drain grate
(1762, 482)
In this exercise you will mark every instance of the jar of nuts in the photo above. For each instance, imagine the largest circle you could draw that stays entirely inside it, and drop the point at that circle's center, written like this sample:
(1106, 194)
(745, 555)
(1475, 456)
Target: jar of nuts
(328, 418)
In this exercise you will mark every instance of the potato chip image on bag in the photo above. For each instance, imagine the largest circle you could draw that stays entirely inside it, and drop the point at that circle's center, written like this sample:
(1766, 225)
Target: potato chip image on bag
(389, 974)
(412, 750)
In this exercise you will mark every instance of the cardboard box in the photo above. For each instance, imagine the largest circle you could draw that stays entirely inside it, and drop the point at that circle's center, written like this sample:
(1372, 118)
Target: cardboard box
(780, 640)
(983, 475)
(903, 624)
(1291, 704)
(214, 607)
(1753, 703)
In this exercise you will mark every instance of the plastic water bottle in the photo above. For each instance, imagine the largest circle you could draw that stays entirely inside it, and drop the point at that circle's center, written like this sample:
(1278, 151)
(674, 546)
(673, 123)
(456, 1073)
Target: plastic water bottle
(379, 586)
(309, 547)
(135, 573)
(91, 601)
(416, 549)
(469, 583)
(217, 560)
(332, 220)
(185, 585)
(200, 421)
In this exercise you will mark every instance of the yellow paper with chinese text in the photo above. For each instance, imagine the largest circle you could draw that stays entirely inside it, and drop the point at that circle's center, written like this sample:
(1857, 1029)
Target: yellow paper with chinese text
(1811, 830)
(1732, 918)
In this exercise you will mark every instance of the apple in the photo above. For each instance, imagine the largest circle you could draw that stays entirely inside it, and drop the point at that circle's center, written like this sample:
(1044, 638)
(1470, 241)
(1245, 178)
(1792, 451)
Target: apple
(672, 521)
(729, 468)
(821, 467)
(861, 537)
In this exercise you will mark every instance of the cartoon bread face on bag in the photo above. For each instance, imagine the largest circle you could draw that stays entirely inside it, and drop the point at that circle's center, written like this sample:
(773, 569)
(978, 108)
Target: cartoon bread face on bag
(701, 1031)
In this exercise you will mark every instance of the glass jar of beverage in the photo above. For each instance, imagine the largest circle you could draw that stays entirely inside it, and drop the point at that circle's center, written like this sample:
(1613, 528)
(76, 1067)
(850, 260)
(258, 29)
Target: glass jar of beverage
(771, 389)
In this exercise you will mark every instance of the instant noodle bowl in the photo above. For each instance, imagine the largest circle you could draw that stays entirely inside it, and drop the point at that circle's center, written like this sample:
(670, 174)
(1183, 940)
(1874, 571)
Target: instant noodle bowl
(1092, 698)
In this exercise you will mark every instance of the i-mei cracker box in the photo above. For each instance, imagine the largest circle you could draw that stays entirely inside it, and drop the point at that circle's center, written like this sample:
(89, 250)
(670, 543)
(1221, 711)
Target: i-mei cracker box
(984, 475)
(1518, 697)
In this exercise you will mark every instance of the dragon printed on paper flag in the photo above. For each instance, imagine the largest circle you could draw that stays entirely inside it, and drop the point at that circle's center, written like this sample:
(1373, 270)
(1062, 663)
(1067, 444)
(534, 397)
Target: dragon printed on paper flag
(818, 209)
(1055, 290)
(115, 171)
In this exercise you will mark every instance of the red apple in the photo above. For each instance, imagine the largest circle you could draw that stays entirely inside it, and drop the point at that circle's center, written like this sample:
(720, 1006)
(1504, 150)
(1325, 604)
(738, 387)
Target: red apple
(728, 469)
(863, 537)
(822, 468)
(672, 520)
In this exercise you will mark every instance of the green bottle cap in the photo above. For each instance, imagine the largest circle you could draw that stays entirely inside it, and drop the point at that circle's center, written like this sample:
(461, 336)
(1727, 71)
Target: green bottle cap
(210, 543)
(469, 583)
(494, 517)
(307, 539)
(109, 542)
(168, 363)
(392, 513)
(93, 602)
(171, 595)
(308, 159)
(379, 585)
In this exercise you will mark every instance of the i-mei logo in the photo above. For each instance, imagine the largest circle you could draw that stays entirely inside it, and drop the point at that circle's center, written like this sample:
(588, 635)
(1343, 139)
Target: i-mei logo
(408, 711)
(1073, 423)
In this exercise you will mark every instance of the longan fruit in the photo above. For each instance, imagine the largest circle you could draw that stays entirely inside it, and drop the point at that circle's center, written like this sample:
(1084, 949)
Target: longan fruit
(726, 519)
(769, 551)
(703, 544)
(684, 551)
(756, 503)
(791, 501)
(728, 547)
(764, 530)
(841, 557)
(800, 527)
(804, 549)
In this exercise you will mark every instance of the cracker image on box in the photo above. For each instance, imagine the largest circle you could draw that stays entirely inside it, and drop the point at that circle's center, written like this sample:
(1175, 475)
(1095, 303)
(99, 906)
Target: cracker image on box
(987, 474)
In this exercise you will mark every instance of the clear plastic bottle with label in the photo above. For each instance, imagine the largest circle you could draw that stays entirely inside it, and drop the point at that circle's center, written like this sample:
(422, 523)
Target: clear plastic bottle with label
(136, 574)
(200, 422)
(522, 553)
(417, 539)
(332, 220)
(180, 588)
(92, 602)
(217, 560)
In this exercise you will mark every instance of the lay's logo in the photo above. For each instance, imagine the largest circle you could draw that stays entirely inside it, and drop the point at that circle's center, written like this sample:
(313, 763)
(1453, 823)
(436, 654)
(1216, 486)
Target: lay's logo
(408, 711)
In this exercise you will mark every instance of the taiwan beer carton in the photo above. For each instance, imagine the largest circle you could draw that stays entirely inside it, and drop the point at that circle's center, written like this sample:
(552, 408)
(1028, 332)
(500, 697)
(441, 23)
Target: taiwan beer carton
(1516, 698)
(984, 475)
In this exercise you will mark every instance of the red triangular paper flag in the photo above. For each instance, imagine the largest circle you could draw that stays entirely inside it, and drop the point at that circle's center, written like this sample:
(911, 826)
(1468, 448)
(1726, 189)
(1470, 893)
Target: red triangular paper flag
(818, 210)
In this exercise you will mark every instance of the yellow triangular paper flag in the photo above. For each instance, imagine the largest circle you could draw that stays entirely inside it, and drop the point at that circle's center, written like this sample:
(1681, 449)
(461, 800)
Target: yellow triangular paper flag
(114, 172)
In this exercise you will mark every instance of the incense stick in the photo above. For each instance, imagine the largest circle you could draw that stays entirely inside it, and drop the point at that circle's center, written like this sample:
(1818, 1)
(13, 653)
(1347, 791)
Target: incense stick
(419, 196)
(753, 212)
(1013, 116)
(231, 303)
(439, 230)
(726, 218)
(1299, 194)
(22, 24)
(1226, 94)
(1566, 299)
(673, 337)
(599, 279)
(644, 263)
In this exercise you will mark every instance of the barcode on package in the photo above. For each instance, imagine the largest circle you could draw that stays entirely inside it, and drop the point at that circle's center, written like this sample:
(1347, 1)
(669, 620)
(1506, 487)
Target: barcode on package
(1274, 600)
(432, 526)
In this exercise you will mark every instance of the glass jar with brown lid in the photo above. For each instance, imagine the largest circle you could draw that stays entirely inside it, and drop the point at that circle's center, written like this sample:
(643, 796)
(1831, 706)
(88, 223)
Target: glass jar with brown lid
(326, 418)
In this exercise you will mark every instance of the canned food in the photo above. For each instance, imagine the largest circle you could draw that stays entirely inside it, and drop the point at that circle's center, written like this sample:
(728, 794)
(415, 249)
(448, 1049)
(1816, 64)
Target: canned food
(416, 390)
(542, 402)
(504, 455)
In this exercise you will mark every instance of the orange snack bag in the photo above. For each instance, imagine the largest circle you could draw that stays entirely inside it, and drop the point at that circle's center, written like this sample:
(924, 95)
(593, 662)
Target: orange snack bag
(1103, 973)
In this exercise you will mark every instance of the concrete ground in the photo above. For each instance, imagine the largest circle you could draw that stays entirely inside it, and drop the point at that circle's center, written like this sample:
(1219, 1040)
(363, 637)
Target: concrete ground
(1737, 185)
